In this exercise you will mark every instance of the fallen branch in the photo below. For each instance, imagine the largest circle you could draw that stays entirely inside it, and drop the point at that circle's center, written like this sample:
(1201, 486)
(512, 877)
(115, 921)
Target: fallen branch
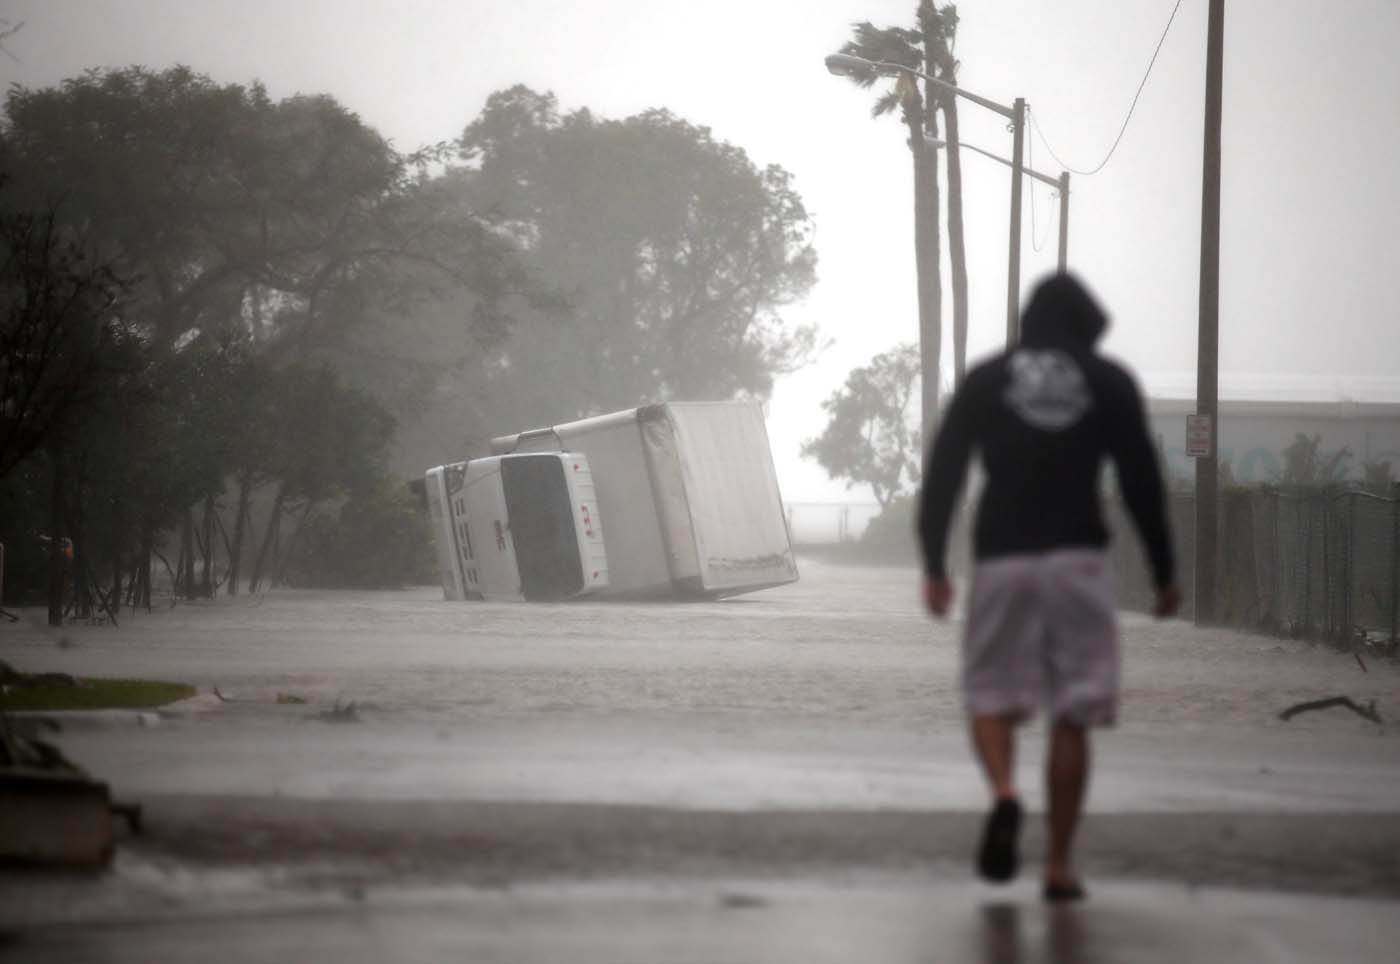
(1367, 712)
(340, 713)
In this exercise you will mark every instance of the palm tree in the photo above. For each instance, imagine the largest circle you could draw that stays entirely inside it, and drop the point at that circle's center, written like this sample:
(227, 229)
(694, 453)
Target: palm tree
(940, 29)
(898, 45)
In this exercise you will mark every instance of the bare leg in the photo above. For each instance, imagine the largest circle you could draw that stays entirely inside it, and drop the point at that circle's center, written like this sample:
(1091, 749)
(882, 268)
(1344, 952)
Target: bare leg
(1067, 774)
(993, 737)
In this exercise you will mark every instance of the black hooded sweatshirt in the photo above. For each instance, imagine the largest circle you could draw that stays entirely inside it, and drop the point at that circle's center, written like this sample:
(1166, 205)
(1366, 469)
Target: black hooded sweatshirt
(1043, 416)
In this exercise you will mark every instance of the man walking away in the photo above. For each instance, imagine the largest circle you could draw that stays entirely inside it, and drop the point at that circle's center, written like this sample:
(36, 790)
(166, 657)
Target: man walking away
(1041, 625)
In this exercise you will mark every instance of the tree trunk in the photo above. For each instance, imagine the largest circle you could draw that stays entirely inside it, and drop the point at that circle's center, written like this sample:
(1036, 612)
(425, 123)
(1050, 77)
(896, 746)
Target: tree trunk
(240, 525)
(58, 560)
(207, 590)
(118, 527)
(82, 594)
(116, 596)
(273, 522)
(957, 254)
(147, 544)
(926, 262)
(185, 569)
(292, 541)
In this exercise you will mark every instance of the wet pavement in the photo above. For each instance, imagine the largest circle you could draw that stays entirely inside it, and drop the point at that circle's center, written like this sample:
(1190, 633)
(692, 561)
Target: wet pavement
(774, 777)
(754, 921)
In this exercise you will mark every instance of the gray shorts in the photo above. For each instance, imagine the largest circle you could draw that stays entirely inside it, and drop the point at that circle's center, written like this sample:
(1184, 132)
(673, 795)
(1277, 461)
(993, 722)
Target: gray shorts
(1042, 630)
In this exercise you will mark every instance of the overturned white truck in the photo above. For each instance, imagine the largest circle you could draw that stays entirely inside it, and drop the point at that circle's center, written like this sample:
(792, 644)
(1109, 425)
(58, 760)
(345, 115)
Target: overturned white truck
(677, 499)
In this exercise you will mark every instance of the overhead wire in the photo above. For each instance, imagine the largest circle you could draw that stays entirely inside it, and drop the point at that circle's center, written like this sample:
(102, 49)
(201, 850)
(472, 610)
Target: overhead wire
(1131, 107)
(1030, 162)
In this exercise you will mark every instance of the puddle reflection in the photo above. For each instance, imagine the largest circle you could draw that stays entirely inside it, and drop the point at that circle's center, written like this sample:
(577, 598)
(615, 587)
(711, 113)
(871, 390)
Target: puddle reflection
(1054, 935)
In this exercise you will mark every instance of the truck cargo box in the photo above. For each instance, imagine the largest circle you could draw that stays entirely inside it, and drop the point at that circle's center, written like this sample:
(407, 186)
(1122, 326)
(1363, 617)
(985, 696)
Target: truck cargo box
(687, 493)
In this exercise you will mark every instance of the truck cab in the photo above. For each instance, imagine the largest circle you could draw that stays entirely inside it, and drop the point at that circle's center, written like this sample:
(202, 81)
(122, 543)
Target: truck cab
(519, 526)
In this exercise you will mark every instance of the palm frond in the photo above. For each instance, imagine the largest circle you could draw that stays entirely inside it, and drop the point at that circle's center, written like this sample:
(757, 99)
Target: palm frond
(887, 103)
(893, 44)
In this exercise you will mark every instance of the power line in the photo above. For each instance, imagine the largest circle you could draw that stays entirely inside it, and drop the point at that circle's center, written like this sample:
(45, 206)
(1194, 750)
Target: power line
(1131, 107)
(1030, 162)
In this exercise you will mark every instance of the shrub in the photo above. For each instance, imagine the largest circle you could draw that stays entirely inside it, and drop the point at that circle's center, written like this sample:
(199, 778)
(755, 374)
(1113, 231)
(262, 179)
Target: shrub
(379, 539)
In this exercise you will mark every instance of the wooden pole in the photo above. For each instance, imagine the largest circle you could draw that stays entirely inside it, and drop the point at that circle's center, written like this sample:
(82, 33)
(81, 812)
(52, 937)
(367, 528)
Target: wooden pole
(1064, 221)
(1013, 257)
(1208, 343)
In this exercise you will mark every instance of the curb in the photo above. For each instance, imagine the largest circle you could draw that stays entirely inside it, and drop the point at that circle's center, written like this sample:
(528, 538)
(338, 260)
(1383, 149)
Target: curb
(111, 718)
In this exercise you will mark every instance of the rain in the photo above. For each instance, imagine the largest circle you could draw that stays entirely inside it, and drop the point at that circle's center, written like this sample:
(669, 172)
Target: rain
(542, 481)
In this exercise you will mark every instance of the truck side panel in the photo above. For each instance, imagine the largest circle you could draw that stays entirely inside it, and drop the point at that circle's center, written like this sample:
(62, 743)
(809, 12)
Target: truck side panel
(449, 565)
(669, 495)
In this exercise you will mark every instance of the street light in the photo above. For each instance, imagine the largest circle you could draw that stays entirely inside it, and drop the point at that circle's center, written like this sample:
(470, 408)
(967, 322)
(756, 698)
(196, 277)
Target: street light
(1060, 184)
(846, 65)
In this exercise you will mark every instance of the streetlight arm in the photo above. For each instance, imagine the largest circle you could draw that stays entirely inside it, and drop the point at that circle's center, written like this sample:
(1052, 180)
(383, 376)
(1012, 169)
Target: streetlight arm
(1029, 172)
(848, 63)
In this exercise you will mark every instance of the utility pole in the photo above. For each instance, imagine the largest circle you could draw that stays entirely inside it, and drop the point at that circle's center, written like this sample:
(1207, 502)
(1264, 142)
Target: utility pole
(1013, 259)
(1064, 222)
(1208, 340)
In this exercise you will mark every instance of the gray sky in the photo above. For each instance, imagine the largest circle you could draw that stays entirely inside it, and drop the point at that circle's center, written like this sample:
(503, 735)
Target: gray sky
(1311, 194)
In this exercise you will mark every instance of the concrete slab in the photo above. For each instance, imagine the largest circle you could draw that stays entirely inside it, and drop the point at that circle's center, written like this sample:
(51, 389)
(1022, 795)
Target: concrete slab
(54, 817)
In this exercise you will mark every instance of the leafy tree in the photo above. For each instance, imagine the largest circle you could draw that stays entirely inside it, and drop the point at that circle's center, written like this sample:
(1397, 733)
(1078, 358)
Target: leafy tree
(674, 252)
(378, 539)
(868, 438)
(61, 312)
(1378, 476)
(62, 333)
(1305, 464)
(148, 160)
(274, 219)
(331, 439)
(258, 235)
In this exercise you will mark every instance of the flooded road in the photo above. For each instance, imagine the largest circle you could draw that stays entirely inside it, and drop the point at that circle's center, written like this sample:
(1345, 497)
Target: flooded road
(803, 737)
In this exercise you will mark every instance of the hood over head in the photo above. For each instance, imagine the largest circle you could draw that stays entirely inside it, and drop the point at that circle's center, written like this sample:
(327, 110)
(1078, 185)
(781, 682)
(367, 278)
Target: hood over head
(1063, 311)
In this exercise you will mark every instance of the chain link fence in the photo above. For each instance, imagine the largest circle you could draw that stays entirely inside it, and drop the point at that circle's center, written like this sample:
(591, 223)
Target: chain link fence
(828, 523)
(1307, 562)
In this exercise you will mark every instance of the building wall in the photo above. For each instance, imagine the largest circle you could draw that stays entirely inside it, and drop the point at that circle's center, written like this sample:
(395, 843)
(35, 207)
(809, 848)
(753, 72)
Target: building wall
(1254, 435)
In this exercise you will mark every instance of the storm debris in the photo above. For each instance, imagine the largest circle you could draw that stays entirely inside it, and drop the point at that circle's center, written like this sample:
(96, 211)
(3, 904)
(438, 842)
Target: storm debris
(742, 901)
(1367, 712)
(340, 713)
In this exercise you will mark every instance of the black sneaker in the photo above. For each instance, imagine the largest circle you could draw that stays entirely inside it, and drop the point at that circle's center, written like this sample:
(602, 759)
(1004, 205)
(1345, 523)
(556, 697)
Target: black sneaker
(1064, 893)
(997, 859)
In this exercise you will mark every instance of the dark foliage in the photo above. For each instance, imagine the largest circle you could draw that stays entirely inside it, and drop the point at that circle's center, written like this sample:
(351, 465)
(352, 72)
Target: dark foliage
(378, 539)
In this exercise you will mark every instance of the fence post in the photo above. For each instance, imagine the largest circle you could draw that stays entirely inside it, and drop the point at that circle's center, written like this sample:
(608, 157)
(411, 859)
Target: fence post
(1349, 628)
(1277, 606)
(1307, 568)
(1395, 564)
(1328, 617)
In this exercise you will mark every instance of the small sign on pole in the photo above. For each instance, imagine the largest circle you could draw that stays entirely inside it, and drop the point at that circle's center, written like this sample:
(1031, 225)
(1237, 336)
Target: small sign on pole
(1198, 436)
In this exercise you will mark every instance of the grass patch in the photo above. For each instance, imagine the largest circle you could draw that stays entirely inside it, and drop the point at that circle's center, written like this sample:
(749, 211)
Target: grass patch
(95, 694)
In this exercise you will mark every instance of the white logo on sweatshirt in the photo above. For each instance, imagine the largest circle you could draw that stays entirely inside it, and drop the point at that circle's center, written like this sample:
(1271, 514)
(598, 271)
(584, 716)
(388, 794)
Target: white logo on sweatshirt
(1047, 389)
